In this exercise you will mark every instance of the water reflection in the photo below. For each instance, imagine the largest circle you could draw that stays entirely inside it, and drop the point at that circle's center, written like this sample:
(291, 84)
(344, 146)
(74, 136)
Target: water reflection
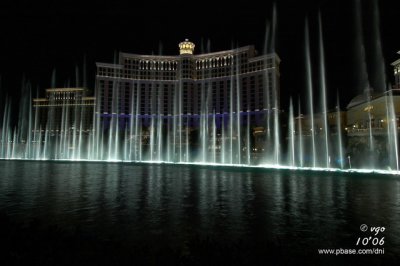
(294, 209)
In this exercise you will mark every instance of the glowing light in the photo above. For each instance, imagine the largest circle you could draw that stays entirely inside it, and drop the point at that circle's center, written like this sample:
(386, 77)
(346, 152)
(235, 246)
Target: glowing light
(186, 47)
(368, 108)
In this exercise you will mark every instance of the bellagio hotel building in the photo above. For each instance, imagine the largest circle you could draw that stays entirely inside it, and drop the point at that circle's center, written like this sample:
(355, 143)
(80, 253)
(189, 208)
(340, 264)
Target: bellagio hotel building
(218, 84)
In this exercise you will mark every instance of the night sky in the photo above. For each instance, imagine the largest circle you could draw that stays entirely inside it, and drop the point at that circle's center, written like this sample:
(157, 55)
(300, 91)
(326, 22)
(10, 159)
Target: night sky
(38, 38)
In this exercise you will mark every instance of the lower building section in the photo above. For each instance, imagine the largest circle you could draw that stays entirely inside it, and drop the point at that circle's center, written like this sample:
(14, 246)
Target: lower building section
(233, 138)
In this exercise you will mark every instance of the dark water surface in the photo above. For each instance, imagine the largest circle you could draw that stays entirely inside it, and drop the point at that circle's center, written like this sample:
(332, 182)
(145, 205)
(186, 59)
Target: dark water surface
(131, 214)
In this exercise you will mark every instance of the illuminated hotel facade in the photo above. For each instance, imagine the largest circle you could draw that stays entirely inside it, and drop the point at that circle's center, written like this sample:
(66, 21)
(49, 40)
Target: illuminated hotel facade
(189, 85)
(65, 109)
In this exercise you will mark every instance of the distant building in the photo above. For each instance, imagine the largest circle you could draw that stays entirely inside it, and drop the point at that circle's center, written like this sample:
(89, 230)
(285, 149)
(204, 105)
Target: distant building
(372, 126)
(221, 83)
(366, 113)
(64, 109)
(370, 112)
(396, 69)
(332, 119)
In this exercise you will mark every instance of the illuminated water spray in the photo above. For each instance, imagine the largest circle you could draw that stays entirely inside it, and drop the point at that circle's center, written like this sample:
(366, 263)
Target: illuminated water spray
(211, 136)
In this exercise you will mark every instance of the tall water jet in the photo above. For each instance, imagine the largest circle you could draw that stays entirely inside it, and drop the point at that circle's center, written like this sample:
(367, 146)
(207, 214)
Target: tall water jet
(187, 139)
(392, 130)
(77, 80)
(370, 132)
(53, 79)
(309, 87)
(85, 84)
(339, 133)
(267, 100)
(131, 133)
(231, 112)
(23, 131)
(249, 147)
(223, 160)
(37, 134)
(6, 135)
(323, 91)
(175, 124)
(378, 73)
(238, 112)
(363, 79)
(273, 28)
(180, 121)
(113, 136)
(160, 136)
(152, 137)
(277, 140)
(300, 136)
(363, 84)
(214, 139)
(203, 123)
(277, 146)
(359, 50)
(291, 135)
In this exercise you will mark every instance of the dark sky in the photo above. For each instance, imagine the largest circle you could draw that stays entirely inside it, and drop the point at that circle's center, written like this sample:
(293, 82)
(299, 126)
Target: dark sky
(36, 39)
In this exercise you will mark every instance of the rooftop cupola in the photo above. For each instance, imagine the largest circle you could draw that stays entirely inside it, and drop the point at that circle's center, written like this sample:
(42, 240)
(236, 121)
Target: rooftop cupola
(186, 47)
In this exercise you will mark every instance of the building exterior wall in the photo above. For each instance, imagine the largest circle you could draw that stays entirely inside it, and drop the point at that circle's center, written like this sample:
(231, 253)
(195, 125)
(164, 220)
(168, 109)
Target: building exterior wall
(190, 85)
(64, 109)
(373, 114)
(304, 121)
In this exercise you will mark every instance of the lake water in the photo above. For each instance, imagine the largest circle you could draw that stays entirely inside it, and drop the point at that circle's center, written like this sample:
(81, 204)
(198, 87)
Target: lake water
(121, 213)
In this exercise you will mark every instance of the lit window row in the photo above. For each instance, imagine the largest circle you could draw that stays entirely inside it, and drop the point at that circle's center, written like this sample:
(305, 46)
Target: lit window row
(158, 65)
(214, 62)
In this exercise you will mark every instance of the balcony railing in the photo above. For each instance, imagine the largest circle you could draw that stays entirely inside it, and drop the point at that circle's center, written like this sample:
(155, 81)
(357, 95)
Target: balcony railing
(366, 131)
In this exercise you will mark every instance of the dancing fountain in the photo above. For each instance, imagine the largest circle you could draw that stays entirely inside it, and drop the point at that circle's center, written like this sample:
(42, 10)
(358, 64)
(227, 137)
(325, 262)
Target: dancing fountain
(75, 128)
